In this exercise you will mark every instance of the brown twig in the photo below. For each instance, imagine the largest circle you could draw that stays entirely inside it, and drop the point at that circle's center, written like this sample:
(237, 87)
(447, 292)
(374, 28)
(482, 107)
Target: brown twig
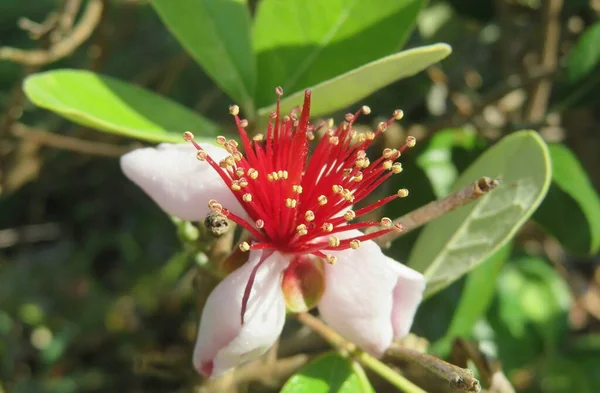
(52, 139)
(67, 45)
(549, 42)
(459, 378)
(435, 209)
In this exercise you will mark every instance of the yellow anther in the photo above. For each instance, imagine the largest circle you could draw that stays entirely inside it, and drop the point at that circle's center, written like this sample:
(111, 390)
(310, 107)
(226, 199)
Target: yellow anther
(360, 138)
(397, 168)
(253, 173)
(201, 155)
(297, 188)
(322, 200)
(234, 110)
(247, 197)
(221, 140)
(334, 140)
(359, 162)
(327, 227)
(337, 189)
(366, 163)
(388, 153)
(382, 126)
(403, 193)
(347, 195)
(270, 177)
(275, 176)
(349, 117)
(237, 156)
(239, 172)
(370, 135)
(310, 135)
(361, 154)
(331, 259)
(301, 230)
(280, 174)
(243, 123)
(258, 137)
(291, 203)
(243, 182)
(285, 174)
(244, 246)
(349, 215)
(229, 161)
(215, 206)
(386, 222)
(260, 224)
(334, 241)
(354, 244)
(188, 136)
(347, 172)
(233, 143)
(387, 165)
(411, 141)
(309, 216)
(235, 186)
(366, 110)
(398, 114)
(358, 177)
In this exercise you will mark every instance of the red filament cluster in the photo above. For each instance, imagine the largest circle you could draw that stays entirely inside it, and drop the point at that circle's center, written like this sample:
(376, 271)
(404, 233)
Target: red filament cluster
(297, 202)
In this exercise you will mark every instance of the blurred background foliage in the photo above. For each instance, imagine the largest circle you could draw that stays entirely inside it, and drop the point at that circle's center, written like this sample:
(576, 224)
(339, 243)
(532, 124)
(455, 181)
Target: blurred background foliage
(94, 295)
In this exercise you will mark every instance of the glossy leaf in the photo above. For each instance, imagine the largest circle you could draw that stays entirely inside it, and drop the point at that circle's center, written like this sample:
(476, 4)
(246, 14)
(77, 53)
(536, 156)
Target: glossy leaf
(585, 55)
(330, 373)
(110, 105)
(300, 43)
(572, 202)
(460, 240)
(436, 160)
(346, 89)
(216, 33)
(475, 298)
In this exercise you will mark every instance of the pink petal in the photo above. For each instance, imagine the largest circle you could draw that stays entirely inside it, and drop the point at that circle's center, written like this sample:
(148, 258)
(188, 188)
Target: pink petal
(180, 184)
(407, 296)
(357, 302)
(223, 342)
(369, 298)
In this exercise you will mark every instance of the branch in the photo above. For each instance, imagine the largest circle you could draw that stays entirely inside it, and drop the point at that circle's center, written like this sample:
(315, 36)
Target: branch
(459, 378)
(369, 361)
(48, 138)
(80, 33)
(435, 209)
(550, 41)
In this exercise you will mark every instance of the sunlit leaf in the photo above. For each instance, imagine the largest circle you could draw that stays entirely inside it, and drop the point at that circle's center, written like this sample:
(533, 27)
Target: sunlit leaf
(572, 202)
(475, 298)
(330, 373)
(300, 43)
(110, 105)
(460, 240)
(217, 35)
(357, 84)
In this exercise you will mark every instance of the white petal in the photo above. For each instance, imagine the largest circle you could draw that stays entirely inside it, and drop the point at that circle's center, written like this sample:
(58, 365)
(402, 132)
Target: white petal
(180, 184)
(408, 294)
(223, 342)
(357, 301)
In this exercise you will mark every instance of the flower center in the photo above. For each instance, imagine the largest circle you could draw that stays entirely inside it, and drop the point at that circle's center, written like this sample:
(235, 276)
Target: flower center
(299, 205)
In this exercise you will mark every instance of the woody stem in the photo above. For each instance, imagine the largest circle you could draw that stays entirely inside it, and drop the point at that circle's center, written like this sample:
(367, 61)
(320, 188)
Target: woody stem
(435, 209)
(367, 360)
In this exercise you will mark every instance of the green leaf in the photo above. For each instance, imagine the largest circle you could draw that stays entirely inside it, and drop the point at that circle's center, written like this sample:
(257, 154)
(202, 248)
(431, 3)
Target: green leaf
(108, 104)
(300, 43)
(217, 35)
(585, 55)
(436, 159)
(572, 202)
(330, 373)
(476, 297)
(354, 85)
(460, 240)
